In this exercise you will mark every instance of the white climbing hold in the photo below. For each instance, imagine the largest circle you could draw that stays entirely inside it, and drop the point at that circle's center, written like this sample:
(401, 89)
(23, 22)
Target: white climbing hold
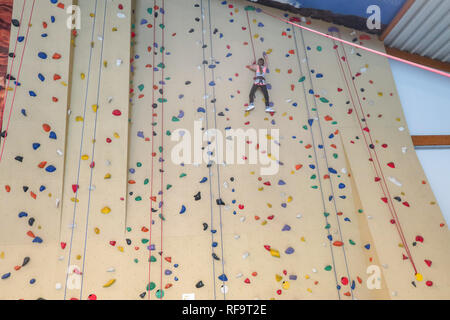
(401, 129)
(239, 275)
(299, 216)
(395, 181)
(58, 286)
(121, 15)
(242, 219)
(236, 237)
(119, 62)
(59, 152)
(111, 270)
(404, 149)
(245, 255)
(224, 289)
(314, 270)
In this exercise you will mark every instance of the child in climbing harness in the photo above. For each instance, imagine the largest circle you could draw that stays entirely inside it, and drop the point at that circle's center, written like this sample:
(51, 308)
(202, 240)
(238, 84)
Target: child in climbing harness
(259, 82)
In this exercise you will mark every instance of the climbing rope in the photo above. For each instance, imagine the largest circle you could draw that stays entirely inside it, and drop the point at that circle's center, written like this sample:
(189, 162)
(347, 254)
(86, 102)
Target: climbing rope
(93, 151)
(17, 81)
(378, 172)
(2, 109)
(81, 149)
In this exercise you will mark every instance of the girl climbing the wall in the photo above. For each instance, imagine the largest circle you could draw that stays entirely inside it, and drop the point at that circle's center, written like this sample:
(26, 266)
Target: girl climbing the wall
(259, 82)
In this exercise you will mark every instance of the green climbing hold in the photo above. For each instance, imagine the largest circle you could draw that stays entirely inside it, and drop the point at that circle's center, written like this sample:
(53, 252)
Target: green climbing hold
(352, 242)
(324, 100)
(169, 186)
(141, 87)
(160, 294)
(150, 10)
(139, 164)
(319, 48)
(144, 241)
(152, 259)
(326, 214)
(313, 177)
(183, 175)
(328, 268)
(139, 198)
(328, 226)
(302, 79)
(151, 286)
(175, 119)
(129, 229)
(305, 127)
(146, 182)
(335, 155)
(250, 8)
(168, 133)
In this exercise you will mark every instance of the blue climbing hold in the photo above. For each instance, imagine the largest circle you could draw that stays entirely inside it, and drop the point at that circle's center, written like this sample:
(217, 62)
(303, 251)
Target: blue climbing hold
(50, 169)
(37, 240)
(183, 209)
(223, 277)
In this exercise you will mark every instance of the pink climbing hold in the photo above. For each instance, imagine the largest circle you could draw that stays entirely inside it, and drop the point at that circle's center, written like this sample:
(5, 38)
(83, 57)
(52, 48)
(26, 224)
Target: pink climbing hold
(117, 113)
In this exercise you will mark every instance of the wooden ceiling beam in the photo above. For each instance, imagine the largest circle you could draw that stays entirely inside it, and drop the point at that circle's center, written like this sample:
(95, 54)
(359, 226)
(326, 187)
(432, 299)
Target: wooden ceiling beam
(431, 141)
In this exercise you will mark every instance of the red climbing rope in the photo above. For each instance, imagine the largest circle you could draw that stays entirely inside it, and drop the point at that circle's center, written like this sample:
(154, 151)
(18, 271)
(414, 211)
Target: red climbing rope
(17, 82)
(251, 36)
(442, 73)
(153, 150)
(380, 171)
(2, 109)
(163, 51)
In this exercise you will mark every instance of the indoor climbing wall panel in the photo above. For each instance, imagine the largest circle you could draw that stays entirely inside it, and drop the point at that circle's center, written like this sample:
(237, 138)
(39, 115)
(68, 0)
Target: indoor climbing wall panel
(96, 177)
(143, 219)
(32, 155)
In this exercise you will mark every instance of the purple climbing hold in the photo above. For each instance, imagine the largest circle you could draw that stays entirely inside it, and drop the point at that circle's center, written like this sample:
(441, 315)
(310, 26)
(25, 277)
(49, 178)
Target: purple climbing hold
(286, 228)
(289, 250)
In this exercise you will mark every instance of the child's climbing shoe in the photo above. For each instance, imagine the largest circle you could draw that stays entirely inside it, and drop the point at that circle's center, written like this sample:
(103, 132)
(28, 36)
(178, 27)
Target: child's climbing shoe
(250, 107)
(270, 110)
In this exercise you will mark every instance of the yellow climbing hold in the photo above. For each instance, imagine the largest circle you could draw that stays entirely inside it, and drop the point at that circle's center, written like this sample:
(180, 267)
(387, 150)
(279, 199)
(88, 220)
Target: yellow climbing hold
(264, 223)
(83, 76)
(269, 51)
(97, 231)
(94, 107)
(309, 290)
(278, 277)
(2, 255)
(79, 119)
(306, 276)
(85, 157)
(303, 239)
(108, 176)
(116, 135)
(419, 277)
(269, 205)
(120, 249)
(289, 199)
(105, 63)
(75, 200)
(106, 210)
(114, 29)
(109, 283)
(79, 257)
(275, 253)
(92, 15)
(286, 285)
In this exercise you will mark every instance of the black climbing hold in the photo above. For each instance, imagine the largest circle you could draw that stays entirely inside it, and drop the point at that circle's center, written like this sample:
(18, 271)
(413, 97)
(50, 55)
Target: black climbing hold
(25, 261)
(15, 22)
(413, 283)
(199, 285)
(215, 257)
(232, 179)
(155, 106)
(128, 242)
(19, 158)
(371, 146)
(31, 222)
(205, 226)
(25, 188)
(198, 196)
(220, 202)
(398, 199)
(191, 30)
(142, 295)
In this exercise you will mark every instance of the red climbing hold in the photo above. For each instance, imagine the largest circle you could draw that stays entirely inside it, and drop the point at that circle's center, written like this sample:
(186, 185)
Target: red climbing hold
(117, 113)
(391, 164)
(419, 238)
(429, 283)
(428, 262)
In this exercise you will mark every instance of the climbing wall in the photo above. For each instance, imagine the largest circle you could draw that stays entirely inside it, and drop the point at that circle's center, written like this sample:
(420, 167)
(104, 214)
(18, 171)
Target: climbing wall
(120, 219)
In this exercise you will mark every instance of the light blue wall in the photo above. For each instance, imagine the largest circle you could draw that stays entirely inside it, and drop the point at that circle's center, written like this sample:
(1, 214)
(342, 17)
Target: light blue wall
(425, 98)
